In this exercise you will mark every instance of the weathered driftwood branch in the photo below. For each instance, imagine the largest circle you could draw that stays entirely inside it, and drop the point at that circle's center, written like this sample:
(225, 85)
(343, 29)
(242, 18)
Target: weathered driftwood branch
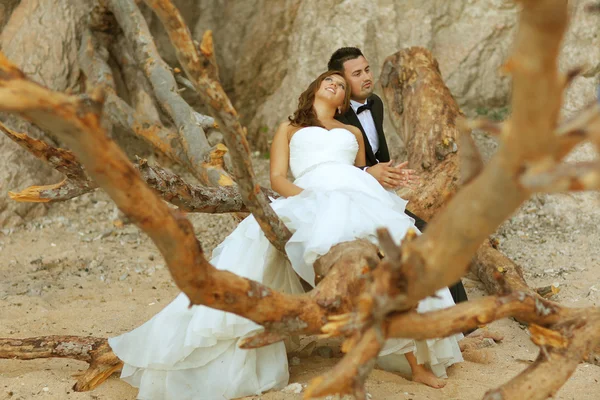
(93, 59)
(547, 291)
(560, 353)
(200, 70)
(426, 264)
(341, 279)
(193, 198)
(137, 84)
(144, 122)
(584, 126)
(75, 184)
(206, 51)
(489, 262)
(171, 187)
(207, 122)
(565, 178)
(498, 273)
(350, 375)
(139, 92)
(474, 313)
(62, 160)
(363, 328)
(94, 351)
(528, 142)
(424, 113)
(191, 135)
(415, 91)
(66, 189)
(429, 121)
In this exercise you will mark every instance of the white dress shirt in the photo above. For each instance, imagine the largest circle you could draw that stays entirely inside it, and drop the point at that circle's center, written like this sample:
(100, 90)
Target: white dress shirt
(366, 120)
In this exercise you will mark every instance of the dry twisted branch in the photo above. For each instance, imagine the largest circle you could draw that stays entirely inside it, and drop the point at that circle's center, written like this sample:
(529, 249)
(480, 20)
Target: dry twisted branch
(561, 350)
(190, 133)
(93, 60)
(171, 187)
(201, 71)
(138, 87)
(75, 184)
(194, 198)
(349, 375)
(474, 313)
(94, 351)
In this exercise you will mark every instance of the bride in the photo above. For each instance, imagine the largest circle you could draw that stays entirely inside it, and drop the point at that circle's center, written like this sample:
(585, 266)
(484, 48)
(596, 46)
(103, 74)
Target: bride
(191, 352)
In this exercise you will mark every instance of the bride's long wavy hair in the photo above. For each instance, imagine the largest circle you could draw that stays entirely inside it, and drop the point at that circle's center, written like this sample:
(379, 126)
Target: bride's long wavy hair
(305, 114)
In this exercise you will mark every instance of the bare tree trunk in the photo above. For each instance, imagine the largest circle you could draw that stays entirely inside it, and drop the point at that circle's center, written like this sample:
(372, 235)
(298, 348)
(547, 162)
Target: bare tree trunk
(424, 112)
(425, 115)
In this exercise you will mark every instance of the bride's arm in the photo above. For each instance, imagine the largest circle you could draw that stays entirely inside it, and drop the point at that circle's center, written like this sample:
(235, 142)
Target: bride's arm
(280, 158)
(361, 159)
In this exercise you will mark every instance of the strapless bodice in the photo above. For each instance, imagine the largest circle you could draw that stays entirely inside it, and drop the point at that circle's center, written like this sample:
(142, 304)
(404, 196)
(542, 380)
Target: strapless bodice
(312, 146)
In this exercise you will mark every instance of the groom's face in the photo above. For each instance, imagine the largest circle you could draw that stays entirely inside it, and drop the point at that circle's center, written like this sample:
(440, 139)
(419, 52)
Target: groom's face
(360, 79)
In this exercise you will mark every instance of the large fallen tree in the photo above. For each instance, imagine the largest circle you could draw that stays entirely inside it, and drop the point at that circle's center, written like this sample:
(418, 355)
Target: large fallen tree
(360, 296)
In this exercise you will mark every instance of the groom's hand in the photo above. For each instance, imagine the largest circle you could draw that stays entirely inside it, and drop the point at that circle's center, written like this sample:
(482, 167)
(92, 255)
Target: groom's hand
(392, 177)
(409, 176)
(388, 176)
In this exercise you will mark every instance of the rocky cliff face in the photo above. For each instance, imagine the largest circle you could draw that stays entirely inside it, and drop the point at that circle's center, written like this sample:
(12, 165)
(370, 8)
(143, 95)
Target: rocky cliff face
(6, 9)
(459, 34)
(581, 48)
(271, 49)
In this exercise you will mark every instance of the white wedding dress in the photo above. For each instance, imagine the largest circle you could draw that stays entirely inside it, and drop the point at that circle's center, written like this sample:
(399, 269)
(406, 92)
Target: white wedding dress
(186, 353)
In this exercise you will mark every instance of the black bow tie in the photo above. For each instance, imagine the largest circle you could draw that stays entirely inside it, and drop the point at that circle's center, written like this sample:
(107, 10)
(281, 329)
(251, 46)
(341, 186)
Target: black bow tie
(364, 107)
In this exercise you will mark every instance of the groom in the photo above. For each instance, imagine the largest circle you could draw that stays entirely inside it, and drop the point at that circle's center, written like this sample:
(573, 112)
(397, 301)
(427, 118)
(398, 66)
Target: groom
(366, 113)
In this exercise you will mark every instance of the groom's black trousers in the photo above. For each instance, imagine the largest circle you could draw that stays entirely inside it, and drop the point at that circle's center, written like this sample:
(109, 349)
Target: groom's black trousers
(457, 290)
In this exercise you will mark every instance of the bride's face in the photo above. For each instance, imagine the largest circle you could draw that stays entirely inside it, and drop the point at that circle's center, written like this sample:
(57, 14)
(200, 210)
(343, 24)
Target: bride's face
(333, 88)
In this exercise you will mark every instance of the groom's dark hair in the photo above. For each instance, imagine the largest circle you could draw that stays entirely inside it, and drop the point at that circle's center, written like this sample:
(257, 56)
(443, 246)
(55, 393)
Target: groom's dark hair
(340, 56)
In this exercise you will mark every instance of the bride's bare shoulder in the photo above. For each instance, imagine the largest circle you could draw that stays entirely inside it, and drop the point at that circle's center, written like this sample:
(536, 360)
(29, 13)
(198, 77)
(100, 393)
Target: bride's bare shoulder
(285, 130)
(285, 125)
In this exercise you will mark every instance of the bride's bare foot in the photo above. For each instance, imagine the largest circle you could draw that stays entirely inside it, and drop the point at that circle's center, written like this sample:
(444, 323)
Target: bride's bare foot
(422, 375)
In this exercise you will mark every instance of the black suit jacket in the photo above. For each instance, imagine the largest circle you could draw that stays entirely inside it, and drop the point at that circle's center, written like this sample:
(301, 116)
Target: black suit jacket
(350, 118)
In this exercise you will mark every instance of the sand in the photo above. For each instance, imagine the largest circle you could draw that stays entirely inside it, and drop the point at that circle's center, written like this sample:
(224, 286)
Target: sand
(76, 272)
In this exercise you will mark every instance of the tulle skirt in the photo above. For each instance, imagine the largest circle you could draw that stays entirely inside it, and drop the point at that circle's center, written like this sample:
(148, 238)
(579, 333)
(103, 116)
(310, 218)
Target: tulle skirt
(191, 353)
